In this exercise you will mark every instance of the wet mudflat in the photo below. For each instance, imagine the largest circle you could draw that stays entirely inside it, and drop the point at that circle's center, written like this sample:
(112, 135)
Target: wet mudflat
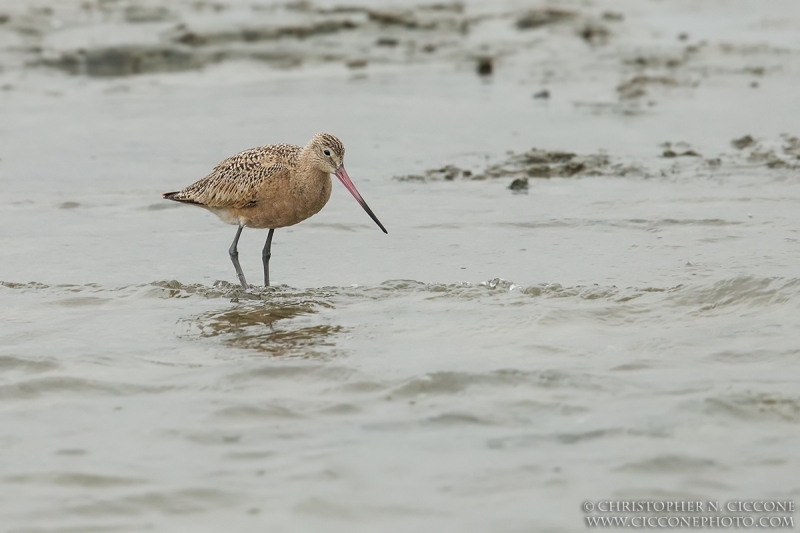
(621, 324)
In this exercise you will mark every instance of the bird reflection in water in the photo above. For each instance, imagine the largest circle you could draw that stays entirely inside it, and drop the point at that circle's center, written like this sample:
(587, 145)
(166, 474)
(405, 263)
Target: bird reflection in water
(271, 328)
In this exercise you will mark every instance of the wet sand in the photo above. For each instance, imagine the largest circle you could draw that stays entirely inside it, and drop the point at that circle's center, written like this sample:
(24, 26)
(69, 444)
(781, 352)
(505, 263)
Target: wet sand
(621, 324)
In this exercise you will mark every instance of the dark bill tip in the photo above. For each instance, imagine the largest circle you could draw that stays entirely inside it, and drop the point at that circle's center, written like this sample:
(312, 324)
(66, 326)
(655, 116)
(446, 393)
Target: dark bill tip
(341, 173)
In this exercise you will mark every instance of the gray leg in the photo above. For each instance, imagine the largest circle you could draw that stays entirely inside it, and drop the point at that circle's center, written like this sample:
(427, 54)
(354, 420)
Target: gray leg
(265, 255)
(234, 253)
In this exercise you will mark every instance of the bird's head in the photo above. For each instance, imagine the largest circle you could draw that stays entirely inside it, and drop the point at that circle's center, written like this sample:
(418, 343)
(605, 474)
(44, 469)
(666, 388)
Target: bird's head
(326, 152)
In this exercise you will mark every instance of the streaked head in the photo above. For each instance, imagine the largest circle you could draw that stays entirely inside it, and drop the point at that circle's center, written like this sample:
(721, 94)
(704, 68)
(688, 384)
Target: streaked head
(326, 151)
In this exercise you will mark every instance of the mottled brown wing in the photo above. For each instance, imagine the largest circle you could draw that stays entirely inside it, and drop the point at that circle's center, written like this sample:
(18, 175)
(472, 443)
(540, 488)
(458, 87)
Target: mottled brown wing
(265, 156)
(234, 183)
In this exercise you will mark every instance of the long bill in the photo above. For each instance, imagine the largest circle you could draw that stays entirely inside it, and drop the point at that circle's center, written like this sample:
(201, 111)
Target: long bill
(341, 173)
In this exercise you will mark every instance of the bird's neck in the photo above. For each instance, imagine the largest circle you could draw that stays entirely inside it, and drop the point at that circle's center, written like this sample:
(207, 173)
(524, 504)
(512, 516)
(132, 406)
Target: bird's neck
(308, 165)
(305, 159)
(308, 171)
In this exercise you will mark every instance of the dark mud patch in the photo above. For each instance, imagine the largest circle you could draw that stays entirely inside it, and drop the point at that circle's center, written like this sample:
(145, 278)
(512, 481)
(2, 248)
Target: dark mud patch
(679, 149)
(441, 16)
(484, 66)
(398, 18)
(676, 158)
(637, 86)
(534, 163)
(749, 155)
(287, 35)
(519, 185)
(783, 152)
(128, 60)
(431, 18)
(281, 35)
(445, 173)
(594, 34)
(356, 64)
(743, 142)
(537, 18)
(791, 146)
(593, 31)
(256, 34)
(685, 153)
(653, 62)
(668, 60)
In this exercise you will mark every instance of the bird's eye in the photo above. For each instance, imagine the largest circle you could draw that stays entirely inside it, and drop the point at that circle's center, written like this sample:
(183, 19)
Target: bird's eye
(327, 152)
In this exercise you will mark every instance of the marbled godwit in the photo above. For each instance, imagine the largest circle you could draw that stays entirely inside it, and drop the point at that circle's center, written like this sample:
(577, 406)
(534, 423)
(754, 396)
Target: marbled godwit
(272, 187)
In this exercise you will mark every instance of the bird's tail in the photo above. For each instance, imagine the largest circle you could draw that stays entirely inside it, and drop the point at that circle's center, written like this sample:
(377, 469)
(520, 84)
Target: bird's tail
(175, 198)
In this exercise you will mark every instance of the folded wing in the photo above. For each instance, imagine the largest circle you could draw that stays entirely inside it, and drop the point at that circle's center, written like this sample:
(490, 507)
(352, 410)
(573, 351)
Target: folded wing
(234, 183)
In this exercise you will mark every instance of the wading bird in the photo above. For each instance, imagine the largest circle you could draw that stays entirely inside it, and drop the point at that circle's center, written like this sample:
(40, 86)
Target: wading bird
(272, 187)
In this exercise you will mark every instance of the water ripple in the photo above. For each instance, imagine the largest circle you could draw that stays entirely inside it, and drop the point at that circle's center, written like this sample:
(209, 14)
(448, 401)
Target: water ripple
(34, 388)
(288, 302)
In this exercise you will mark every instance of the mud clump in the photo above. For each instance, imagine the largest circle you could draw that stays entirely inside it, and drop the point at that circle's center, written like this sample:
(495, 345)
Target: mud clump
(773, 154)
(672, 153)
(767, 157)
(654, 61)
(251, 35)
(445, 173)
(485, 66)
(519, 185)
(539, 171)
(792, 146)
(637, 86)
(395, 18)
(357, 64)
(594, 34)
(535, 163)
(743, 142)
(543, 164)
(543, 156)
(678, 149)
(455, 7)
(543, 17)
(781, 153)
(519, 169)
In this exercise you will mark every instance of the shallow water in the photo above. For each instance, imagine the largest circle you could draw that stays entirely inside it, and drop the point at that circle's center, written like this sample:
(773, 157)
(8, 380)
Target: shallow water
(493, 362)
(167, 405)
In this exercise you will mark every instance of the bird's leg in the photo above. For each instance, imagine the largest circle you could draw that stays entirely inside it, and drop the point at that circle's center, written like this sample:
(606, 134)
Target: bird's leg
(234, 253)
(265, 255)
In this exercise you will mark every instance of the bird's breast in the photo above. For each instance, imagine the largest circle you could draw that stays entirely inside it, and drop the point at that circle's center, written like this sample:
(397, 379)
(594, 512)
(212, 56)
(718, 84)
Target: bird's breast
(311, 192)
(287, 203)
